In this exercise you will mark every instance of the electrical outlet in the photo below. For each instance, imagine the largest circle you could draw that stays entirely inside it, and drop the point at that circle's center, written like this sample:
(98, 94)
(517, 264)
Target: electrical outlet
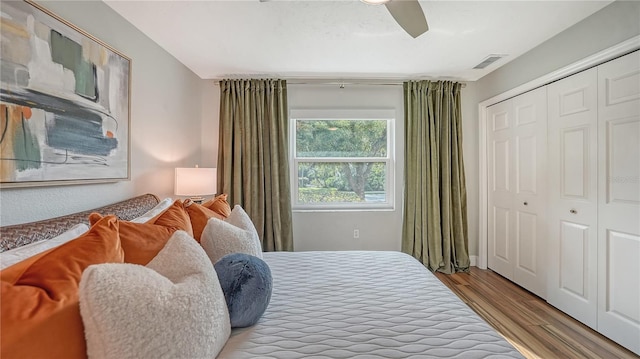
(356, 233)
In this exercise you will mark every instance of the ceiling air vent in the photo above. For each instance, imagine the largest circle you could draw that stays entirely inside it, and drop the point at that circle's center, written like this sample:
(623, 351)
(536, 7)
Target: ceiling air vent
(488, 61)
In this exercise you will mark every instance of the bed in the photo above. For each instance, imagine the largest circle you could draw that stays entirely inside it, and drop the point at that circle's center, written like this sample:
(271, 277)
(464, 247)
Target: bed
(354, 304)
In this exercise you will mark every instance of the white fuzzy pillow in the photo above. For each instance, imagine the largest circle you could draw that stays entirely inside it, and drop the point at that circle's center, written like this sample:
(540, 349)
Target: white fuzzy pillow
(172, 308)
(236, 234)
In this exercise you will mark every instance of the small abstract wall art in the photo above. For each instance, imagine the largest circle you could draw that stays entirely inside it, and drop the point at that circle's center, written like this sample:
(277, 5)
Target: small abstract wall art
(64, 102)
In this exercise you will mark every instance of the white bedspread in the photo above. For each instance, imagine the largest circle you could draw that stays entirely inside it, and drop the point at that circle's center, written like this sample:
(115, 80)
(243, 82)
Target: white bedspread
(363, 305)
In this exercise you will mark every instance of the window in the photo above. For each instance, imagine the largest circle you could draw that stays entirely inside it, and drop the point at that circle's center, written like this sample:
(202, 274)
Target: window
(342, 159)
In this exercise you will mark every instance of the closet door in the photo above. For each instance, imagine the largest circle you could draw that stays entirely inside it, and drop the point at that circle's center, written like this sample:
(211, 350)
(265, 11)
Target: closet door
(619, 200)
(500, 148)
(517, 226)
(573, 202)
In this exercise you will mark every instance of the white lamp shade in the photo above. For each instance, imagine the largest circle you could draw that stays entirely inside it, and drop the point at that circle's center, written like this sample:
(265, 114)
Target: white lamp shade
(195, 181)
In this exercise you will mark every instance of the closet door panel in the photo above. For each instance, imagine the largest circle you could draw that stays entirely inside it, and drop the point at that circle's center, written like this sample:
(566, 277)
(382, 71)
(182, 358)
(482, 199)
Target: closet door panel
(574, 250)
(619, 200)
(517, 198)
(500, 147)
(622, 161)
(528, 252)
(501, 225)
(622, 267)
(573, 205)
(526, 152)
(529, 198)
(574, 162)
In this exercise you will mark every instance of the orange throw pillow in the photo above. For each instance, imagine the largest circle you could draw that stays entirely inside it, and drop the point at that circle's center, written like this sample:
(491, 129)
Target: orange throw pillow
(219, 205)
(200, 215)
(141, 242)
(39, 296)
(174, 216)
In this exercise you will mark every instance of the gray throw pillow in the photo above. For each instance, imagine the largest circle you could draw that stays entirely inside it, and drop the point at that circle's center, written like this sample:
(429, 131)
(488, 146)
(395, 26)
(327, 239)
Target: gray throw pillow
(247, 284)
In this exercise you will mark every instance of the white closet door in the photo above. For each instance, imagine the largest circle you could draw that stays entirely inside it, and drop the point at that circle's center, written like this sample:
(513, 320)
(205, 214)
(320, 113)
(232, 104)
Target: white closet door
(619, 200)
(573, 202)
(500, 148)
(517, 202)
(529, 197)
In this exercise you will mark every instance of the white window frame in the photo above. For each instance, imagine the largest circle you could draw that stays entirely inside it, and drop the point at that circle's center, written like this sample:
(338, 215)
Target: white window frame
(323, 114)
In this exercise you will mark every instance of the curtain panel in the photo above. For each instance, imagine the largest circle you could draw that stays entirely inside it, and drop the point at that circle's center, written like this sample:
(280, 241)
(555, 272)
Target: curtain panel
(253, 166)
(435, 199)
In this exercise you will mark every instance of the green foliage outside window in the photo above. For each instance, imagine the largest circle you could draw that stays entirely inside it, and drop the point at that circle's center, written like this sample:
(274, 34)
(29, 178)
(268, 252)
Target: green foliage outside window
(326, 195)
(320, 182)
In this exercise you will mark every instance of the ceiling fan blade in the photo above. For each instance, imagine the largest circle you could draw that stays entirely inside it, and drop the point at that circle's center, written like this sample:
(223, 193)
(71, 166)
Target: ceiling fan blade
(409, 15)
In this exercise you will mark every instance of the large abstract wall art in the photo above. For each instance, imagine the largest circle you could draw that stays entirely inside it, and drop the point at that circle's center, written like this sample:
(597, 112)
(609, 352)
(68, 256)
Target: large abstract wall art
(64, 102)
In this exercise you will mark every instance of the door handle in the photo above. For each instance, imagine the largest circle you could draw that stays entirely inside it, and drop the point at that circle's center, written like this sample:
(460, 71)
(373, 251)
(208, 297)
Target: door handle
(573, 211)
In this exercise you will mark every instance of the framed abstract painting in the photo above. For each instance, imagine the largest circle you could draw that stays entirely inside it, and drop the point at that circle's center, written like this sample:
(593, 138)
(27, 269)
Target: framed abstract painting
(64, 102)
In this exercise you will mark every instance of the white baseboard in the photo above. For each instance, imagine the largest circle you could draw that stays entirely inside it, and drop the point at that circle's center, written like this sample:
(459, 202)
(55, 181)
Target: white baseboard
(473, 260)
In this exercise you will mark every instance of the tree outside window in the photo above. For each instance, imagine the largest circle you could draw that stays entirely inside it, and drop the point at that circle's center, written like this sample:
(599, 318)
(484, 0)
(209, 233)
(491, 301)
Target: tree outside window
(342, 161)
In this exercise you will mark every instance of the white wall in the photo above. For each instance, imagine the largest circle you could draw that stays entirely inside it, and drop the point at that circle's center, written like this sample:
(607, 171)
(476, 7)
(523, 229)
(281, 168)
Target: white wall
(166, 111)
(379, 230)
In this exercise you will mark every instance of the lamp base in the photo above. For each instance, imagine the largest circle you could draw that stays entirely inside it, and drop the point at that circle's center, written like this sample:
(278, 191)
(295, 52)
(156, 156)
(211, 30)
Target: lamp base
(197, 199)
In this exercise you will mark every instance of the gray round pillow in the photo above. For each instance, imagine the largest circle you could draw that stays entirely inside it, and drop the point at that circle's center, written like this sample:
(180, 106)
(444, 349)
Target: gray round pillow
(246, 282)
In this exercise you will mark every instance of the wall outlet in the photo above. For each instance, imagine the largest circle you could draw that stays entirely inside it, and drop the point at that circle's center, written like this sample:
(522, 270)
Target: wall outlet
(356, 233)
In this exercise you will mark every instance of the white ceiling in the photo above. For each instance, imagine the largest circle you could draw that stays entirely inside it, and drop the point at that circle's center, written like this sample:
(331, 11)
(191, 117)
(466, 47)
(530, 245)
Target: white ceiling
(347, 39)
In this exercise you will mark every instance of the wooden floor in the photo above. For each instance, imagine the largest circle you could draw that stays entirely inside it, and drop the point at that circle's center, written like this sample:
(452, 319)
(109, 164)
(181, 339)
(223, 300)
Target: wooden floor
(535, 328)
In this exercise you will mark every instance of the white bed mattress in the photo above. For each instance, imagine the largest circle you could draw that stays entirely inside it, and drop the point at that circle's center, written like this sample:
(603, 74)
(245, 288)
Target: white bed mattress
(363, 305)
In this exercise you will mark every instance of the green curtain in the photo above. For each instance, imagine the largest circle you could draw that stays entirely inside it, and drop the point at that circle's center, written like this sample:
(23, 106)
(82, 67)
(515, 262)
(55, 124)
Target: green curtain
(435, 199)
(253, 166)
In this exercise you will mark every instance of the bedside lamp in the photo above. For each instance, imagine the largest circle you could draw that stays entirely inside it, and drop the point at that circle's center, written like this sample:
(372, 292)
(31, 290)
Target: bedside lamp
(195, 182)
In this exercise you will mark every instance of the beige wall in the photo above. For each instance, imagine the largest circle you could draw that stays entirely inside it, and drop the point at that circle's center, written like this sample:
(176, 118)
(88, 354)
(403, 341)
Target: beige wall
(166, 111)
(470, 157)
(611, 25)
(210, 123)
(379, 230)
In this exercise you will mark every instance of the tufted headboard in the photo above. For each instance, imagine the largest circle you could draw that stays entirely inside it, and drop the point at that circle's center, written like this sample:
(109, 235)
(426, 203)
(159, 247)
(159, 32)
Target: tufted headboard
(21, 234)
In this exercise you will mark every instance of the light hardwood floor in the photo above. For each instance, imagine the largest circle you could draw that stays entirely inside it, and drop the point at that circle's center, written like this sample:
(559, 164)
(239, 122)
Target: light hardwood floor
(534, 327)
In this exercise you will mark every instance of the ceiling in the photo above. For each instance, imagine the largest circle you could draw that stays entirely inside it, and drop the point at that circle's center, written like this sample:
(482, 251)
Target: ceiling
(347, 39)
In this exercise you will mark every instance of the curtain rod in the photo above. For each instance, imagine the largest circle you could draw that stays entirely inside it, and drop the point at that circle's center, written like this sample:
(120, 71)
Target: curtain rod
(342, 83)
(354, 82)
